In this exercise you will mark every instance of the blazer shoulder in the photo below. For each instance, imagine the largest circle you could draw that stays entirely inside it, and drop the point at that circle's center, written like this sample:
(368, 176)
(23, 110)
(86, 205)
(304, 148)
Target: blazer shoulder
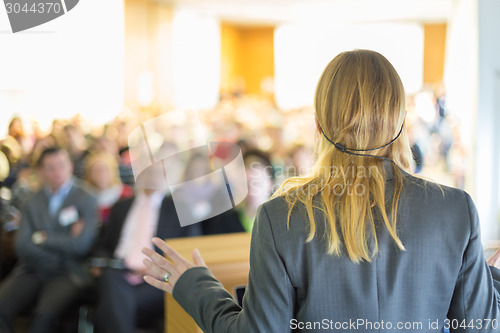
(276, 210)
(428, 189)
(275, 205)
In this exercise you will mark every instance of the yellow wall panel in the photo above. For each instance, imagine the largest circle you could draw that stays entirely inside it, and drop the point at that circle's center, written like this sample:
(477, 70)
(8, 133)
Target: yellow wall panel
(230, 46)
(247, 54)
(434, 51)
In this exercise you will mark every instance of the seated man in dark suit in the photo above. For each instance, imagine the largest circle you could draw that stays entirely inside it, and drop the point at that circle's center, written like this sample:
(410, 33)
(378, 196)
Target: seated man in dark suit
(57, 229)
(125, 300)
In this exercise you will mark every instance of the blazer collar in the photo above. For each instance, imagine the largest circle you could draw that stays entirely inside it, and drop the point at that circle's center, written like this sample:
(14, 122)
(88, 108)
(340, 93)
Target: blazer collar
(389, 170)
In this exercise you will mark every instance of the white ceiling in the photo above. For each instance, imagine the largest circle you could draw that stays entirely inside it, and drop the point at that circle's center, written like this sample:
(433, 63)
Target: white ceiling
(321, 11)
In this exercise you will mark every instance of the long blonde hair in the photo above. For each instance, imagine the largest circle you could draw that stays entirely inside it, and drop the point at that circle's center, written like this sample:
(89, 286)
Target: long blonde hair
(359, 103)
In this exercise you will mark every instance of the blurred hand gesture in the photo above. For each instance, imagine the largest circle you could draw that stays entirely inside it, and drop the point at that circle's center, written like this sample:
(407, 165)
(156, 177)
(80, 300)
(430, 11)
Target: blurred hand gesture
(157, 265)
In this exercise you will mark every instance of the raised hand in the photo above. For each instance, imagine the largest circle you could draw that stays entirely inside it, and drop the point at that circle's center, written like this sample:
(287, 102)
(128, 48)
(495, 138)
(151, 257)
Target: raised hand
(163, 273)
(494, 260)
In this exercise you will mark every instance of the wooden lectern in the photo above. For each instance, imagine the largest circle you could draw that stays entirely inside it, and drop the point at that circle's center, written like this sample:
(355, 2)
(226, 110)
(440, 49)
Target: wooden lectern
(226, 255)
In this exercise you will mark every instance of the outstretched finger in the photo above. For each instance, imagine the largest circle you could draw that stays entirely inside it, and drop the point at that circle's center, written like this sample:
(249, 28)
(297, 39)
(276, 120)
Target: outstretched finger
(494, 258)
(158, 259)
(197, 258)
(168, 250)
(154, 270)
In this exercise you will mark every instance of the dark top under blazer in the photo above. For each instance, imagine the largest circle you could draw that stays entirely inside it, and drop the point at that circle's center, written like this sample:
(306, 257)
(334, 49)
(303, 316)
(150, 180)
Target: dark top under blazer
(442, 273)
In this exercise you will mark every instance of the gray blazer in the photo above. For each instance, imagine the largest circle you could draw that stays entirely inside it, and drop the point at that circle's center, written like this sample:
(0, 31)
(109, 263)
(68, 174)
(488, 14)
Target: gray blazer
(296, 286)
(61, 251)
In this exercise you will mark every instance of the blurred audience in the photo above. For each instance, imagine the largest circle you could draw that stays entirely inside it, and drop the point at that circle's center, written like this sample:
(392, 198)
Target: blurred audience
(12, 200)
(125, 167)
(14, 147)
(57, 229)
(300, 159)
(105, 144)
(201, 196)
(77, 148)
(435, 137)
(260, 175)
(125, 301)
(17, 132)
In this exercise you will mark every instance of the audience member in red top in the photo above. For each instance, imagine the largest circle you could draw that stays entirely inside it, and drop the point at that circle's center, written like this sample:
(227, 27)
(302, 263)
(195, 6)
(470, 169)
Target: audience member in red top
(101, 173)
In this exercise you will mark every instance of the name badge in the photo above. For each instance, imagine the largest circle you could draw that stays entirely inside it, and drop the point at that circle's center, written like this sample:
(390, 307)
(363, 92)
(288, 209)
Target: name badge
(68, 215)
